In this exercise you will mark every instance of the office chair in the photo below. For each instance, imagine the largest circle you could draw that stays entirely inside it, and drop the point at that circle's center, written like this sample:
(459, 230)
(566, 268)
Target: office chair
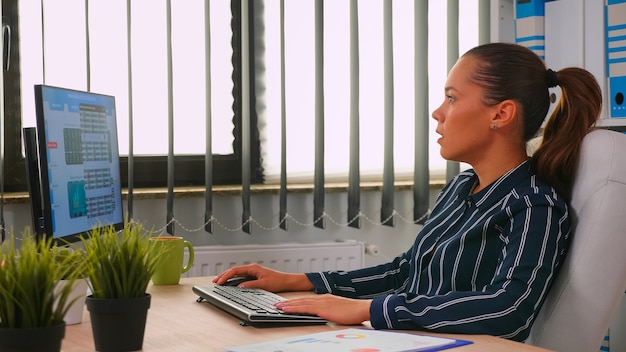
(581, 305)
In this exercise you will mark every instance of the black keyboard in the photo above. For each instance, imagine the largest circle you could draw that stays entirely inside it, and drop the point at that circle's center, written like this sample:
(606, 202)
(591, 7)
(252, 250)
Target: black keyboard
(251, 305)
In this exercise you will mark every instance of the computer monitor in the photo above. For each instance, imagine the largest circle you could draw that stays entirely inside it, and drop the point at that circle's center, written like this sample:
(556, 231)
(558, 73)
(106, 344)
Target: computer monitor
(72, 162)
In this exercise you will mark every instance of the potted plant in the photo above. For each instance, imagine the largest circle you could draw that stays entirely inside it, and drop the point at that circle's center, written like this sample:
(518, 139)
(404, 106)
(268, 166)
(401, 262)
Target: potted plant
(119, 268)
(73, 260)
(32, 307)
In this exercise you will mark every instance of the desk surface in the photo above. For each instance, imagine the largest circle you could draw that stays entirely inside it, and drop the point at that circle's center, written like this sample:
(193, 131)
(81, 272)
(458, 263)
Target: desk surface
(176, 322)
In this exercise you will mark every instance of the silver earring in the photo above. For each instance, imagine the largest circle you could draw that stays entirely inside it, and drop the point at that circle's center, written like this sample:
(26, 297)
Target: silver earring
(494, 127)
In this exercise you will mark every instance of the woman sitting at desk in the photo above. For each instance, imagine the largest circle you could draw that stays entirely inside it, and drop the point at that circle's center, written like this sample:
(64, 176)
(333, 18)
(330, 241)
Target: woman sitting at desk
(497, 234)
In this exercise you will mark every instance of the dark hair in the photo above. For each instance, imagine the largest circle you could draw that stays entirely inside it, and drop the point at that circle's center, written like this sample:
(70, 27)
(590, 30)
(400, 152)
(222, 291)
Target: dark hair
(511, 71)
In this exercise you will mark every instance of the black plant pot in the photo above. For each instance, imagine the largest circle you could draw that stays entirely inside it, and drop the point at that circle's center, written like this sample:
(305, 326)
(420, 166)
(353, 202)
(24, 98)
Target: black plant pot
(118, 324)
(41, 339)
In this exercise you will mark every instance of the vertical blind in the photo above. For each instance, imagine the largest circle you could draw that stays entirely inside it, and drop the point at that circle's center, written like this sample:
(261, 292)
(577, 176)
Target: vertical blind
(324, 19)
(255, 22)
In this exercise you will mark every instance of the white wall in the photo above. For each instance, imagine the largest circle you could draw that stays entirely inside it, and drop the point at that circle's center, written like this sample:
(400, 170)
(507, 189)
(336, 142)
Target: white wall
(189, 212)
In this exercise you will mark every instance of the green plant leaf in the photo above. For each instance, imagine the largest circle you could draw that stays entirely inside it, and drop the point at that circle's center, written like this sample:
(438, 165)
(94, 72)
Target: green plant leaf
(28, 283)
(119, 265)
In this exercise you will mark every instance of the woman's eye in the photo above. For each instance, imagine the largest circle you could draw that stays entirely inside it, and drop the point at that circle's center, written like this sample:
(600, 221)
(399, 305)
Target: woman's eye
(450, 99)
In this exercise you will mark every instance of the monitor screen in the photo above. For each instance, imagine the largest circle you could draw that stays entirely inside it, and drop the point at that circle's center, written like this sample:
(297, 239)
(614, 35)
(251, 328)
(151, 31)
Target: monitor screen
(78, 161)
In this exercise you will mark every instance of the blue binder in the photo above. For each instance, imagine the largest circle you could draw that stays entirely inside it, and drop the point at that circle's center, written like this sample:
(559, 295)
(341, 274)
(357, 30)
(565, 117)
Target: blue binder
(615, 24)
(530, 26)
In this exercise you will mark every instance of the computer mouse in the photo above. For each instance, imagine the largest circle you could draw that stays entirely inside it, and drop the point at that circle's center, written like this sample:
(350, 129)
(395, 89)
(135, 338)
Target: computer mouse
(235, 281)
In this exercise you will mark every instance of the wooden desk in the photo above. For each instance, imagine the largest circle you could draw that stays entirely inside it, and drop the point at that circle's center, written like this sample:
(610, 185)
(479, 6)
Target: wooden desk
(177, 323)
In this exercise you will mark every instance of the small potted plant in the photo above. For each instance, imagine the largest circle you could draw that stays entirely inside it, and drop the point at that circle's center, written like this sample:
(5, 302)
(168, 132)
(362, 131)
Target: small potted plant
(73, 260)
(119, 268)
(32, 307)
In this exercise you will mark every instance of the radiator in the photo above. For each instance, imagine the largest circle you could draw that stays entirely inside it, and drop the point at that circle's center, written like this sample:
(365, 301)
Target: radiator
(289, 257)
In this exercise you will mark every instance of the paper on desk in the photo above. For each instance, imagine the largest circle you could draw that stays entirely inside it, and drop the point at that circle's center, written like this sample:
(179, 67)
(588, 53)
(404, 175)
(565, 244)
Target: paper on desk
(356, 340)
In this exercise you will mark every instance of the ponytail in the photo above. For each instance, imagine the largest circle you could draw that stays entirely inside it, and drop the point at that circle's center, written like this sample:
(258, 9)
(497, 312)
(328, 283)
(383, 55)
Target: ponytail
(575, 115)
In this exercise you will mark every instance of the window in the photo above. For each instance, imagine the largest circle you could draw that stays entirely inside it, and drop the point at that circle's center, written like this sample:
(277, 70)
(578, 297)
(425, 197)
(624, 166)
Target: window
(97, 60)
(299, 84)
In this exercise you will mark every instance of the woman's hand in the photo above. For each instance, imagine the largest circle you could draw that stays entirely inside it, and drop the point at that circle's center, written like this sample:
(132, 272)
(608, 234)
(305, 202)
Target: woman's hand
(341, 310)
(266, 278)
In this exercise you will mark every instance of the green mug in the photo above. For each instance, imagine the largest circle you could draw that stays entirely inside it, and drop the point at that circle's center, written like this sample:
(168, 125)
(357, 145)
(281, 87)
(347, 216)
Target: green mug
(170, 263)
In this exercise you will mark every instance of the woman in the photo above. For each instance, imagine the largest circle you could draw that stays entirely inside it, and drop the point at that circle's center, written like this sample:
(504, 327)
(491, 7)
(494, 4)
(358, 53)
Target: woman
(485, 259)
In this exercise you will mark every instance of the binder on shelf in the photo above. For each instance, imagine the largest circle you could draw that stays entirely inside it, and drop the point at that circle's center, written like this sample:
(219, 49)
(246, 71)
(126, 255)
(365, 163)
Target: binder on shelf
(530, 25)
(615, 25)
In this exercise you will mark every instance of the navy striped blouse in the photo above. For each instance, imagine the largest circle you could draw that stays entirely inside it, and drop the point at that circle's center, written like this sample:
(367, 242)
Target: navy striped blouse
(481, 264)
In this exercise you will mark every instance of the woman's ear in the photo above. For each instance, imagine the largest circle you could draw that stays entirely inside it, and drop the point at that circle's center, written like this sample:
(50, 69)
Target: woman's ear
(505, 113)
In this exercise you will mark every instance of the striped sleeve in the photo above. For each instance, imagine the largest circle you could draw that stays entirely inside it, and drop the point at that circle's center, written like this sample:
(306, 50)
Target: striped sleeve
(364, 283)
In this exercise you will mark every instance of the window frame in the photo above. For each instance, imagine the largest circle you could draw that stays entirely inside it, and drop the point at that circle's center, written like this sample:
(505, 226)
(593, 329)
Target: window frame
(14, 171)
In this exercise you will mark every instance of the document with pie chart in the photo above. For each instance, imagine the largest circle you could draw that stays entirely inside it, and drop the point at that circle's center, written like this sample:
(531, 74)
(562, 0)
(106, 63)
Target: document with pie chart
(353, 340)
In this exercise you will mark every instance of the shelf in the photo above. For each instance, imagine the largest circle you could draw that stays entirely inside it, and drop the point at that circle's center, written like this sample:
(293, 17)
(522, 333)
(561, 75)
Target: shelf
(613, 123)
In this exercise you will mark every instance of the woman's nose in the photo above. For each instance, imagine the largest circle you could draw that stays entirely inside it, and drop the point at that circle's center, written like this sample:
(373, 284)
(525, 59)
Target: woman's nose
(437, 114)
